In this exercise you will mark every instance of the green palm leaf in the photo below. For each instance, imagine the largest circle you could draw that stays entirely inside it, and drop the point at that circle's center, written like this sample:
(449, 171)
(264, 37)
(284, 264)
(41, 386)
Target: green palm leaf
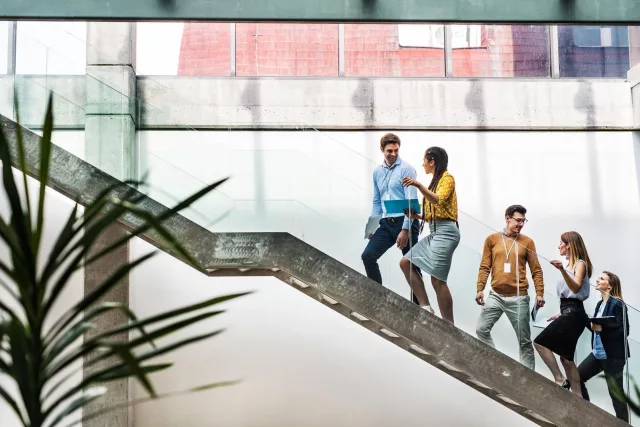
(36, 360)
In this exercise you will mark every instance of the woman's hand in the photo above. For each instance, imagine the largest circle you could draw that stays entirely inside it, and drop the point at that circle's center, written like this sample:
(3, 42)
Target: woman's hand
(412, 214)
(554, 317)
(557, 264)
(407, 182)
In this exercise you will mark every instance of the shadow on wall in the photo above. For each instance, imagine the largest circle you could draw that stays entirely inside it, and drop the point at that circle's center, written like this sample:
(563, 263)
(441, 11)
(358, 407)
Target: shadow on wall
(363, 99)
(583, 102)
(251, 100)
(474, 101)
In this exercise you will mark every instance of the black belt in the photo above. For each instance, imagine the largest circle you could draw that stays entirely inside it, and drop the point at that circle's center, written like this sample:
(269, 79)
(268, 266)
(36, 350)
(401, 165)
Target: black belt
(394, 219)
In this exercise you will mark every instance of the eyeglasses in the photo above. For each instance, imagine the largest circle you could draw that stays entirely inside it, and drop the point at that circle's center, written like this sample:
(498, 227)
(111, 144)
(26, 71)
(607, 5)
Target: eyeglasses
(520, 220)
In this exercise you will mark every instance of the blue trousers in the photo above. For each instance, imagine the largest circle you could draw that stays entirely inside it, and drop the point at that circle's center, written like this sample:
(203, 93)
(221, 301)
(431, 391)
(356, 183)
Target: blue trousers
(384, 238)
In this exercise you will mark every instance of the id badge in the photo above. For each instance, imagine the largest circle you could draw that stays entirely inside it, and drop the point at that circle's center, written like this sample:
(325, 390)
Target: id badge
(507, 267)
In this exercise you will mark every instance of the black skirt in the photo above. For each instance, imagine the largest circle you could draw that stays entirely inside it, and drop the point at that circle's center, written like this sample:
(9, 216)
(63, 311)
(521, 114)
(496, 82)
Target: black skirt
(562, 335)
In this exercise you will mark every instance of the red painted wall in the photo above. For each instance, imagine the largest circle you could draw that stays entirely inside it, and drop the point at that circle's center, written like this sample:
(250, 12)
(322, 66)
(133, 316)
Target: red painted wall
(287, 49)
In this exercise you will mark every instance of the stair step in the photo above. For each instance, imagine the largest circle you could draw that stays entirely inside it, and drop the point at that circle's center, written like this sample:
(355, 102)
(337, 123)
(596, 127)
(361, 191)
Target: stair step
(389, 333)
(359, 316)
(419, 350)
(507, 400)
(328, 299)
(448, 367)
(478, 383)
(299, 283)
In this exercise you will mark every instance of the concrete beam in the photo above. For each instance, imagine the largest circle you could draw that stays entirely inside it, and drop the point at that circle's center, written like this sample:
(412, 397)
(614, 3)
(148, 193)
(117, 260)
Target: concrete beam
(111, 89)
(513, 11)
(388, 103)
(293, 260)
(330, 103)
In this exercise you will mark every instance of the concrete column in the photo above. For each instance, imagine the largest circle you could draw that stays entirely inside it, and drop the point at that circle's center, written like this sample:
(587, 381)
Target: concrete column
(118, 392)
(110, 144)
(110, 109)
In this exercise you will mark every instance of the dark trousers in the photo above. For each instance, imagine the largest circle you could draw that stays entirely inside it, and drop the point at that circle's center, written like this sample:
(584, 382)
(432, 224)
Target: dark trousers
(613, 368)
(384, 238)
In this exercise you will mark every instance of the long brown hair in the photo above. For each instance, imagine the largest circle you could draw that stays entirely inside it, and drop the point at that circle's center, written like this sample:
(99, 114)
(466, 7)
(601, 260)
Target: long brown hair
(616, 287)
(578, 250)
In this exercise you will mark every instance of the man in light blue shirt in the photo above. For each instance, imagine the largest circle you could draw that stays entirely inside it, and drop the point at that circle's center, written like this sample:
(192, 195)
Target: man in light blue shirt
(394, 228)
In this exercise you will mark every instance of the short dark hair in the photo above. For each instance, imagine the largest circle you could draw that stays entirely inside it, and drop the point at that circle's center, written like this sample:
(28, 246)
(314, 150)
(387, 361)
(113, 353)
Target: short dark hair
(390, 138)
(515, 208)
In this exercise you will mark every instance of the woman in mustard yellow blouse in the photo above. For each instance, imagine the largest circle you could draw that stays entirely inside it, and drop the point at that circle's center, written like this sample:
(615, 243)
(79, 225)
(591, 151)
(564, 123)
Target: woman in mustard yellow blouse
(433, 254)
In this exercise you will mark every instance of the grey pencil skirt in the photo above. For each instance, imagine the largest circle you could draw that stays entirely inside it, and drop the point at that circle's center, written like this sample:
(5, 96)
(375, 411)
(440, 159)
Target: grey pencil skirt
(434, 253)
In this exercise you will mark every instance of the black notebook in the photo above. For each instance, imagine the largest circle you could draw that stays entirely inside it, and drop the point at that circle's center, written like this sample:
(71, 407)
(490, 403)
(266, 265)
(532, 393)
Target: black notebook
(606, 320)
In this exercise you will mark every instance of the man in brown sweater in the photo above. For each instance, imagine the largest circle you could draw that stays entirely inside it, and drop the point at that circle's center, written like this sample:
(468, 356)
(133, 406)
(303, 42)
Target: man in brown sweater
(505, 256)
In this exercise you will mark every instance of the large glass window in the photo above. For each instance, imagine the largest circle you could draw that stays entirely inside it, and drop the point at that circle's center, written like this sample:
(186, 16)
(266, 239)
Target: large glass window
(286, 49)
(51, 47)
(500, 51)
(591, 51)
(394, 50)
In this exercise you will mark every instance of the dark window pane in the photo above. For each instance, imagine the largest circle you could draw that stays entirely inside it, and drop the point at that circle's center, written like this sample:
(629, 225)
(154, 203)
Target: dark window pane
(591, 51)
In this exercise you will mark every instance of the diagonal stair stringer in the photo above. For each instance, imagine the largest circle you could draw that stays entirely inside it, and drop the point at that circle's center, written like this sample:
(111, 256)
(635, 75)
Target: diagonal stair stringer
(340, 288)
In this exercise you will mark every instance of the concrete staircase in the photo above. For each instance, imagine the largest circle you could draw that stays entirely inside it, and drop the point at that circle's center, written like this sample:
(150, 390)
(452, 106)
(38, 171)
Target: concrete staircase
(342, 289)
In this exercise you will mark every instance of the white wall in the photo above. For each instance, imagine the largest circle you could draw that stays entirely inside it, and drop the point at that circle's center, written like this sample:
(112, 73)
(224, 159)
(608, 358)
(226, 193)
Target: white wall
(408, 103)
(317, 186)
(300, 363)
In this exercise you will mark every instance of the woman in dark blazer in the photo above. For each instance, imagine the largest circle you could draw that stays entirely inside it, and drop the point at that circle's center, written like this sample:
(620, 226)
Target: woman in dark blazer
(609, 342)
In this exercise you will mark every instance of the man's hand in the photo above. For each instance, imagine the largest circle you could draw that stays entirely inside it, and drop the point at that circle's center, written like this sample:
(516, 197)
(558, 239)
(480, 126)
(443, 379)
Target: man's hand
(480, 298)
(597, 328)
(540, 301)
(554, 317)
(403, 239)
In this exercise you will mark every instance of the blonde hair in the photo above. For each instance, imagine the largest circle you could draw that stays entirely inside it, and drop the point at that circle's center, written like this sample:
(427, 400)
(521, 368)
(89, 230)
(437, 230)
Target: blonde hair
(616, 287)
(577, 250)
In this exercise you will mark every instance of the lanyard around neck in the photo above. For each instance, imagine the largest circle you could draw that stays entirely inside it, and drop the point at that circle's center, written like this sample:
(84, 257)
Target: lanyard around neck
(505, 246)
(387, 177)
